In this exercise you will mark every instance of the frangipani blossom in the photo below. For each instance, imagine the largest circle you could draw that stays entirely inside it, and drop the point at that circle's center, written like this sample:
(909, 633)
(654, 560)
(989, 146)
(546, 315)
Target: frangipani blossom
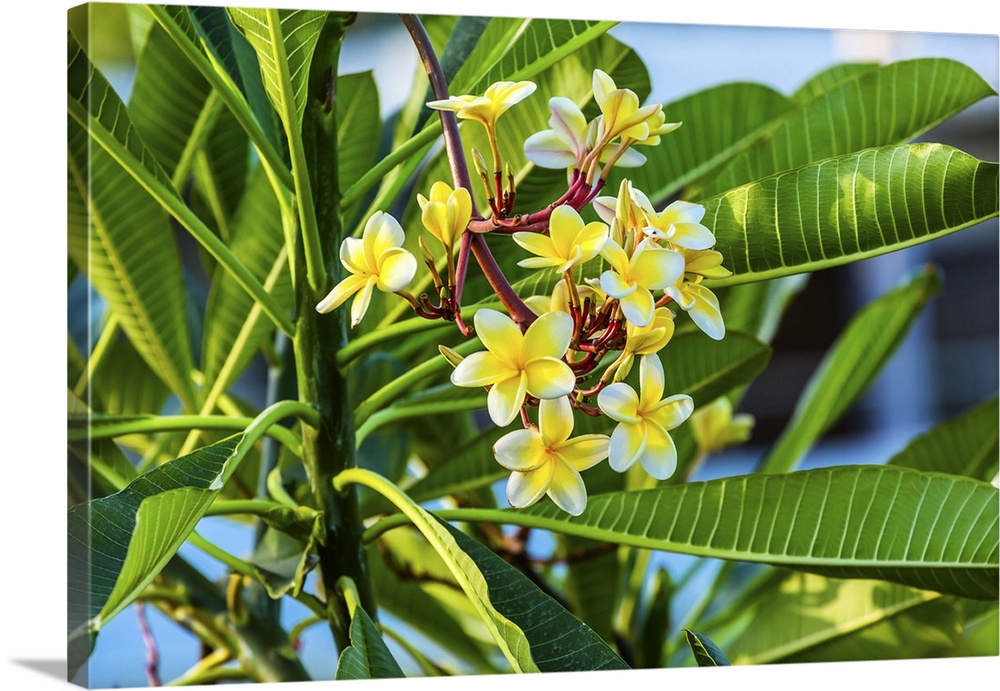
(515, 364)
(679, 224)
(447, 213)
(644, 421)
(546, 461)
(621, 111)
(375, 260)
(703, 306)
(646, 340)
(715, 427)
(569, 141)
(487, 109)
(631, 279)
(568, 243)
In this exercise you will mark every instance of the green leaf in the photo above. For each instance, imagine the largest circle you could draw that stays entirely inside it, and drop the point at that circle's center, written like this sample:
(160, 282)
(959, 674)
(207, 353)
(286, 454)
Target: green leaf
(239, 60)
(281, 561)
(830, 78)
(850, 367)
(809, 618)
(966, 445)
(234, 325)
(284, 41)
(167, 99)
(126, 538)
(406, 578)
(927, 530)
(849, 208)
(875, 108)
(559, 641)
(367, 657)
(514, 49)
(124, 383)
(127, 247)
(706, 653)
(507, 635)
(121, 542)
(359, 126)
(757, 308)
(705, 141)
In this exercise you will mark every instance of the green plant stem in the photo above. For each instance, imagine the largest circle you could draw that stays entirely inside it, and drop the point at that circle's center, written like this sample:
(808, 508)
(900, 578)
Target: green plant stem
(170, 423)
(228, 92)
(251, 507)
(296, 631)
(397, 413)
(397, 387)
(426, 665)
(101, 348)
(168, 199)
(361, 345)
(208, 670)
(199, 132)
(403, 154)
(208, 185)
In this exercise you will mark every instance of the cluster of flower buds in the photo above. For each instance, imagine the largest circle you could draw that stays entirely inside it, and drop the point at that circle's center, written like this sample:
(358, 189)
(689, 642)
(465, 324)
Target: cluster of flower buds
(574, 348)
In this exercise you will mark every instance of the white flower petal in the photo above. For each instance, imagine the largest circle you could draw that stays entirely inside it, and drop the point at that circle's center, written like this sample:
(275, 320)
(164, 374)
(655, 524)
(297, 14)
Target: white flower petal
(361, 301)
(638, 307)
(584, 451)
(555, 420)
(480, 369)
(397, 269)
(499, 334)
(619, 402)
(659, 458)
(549, 377)
(505, 399)
(548, 336)
(650, 381)
(521, 450)
(548, 150)
(628, 442)
(566, 489)
(343, 290)
(524, 489)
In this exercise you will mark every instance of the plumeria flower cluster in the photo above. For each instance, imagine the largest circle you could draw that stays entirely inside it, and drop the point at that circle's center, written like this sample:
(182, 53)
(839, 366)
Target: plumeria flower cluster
(619, 284)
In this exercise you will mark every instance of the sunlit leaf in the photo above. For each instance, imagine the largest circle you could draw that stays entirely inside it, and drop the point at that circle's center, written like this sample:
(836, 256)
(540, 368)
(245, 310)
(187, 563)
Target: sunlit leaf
(927, 530)
(559, 641)
(875, 108)
(849, 208)
(128, 247)
(809, 618)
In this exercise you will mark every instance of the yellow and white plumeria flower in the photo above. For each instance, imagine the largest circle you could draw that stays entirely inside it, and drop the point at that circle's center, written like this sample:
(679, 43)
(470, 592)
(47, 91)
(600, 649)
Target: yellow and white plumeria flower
(644, 421)
(622, 115)
(646, 340)
(679, 223)
(546, 461)
(715, 427)
(486, 109)
(569, 141)
(515, 364)
(631, 279)
(569, 242)
(375, 260)
(447, 213)
(703, 306)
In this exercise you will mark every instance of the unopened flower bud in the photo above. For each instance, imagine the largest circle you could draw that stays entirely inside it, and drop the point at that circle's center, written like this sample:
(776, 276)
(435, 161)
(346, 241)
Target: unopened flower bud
(450, 355)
